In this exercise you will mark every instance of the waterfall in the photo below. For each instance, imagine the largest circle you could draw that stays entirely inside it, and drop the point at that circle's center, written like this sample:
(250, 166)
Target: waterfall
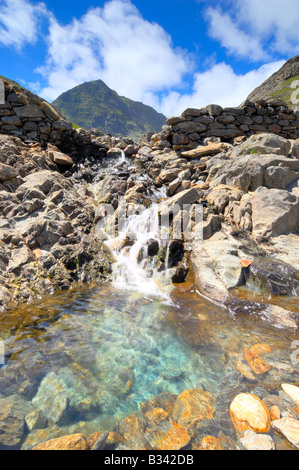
(135, 269)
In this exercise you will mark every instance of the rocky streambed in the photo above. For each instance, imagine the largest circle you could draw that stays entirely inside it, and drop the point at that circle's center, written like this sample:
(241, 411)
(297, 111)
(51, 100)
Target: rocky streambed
(205, 359)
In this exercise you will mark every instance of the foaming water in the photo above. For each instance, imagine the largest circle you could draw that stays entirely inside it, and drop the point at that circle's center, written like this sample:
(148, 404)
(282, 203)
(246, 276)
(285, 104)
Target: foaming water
(135, 269)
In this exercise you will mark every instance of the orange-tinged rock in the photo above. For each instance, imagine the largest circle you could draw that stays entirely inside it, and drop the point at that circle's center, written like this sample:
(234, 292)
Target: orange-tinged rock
(275, 413)
(73, 442)
(245, 263)
(156, 416)
(192, 407)
(257, 364)
(113, 439)
(208, 443)
(261, 349)
(174, 438)
(248, 412)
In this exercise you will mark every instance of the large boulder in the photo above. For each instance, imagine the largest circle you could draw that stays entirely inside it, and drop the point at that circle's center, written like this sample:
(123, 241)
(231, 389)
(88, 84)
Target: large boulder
(264, 144)
(216, 266)
(274, 212)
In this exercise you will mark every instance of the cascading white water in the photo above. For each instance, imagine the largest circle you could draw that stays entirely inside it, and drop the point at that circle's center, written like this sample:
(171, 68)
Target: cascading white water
(134, 269)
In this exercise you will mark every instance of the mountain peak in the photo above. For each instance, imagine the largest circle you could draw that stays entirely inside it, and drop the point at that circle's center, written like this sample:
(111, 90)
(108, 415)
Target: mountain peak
(94, 105)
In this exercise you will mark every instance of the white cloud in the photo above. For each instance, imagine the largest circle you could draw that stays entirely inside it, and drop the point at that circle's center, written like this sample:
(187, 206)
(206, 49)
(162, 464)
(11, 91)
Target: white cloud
(256, 29)
(219, 85)
(116, 44)
(227, 32)
(19, 22)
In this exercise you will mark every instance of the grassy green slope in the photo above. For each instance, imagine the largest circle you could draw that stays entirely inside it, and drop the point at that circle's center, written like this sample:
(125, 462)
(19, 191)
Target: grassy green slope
(286, 91)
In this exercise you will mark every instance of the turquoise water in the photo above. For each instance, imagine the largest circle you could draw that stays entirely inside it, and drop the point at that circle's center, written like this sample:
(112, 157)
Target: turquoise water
(112, 350)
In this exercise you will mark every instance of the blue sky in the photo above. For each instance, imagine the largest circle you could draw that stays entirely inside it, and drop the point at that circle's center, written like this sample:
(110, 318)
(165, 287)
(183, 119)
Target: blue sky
(170, 54)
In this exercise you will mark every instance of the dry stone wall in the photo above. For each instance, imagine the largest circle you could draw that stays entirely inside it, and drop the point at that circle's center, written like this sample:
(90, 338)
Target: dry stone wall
(32, 119)
(195, 125)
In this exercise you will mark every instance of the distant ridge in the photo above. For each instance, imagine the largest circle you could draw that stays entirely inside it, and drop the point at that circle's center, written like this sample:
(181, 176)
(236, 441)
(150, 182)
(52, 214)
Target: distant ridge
(94, 105)
(279, 84)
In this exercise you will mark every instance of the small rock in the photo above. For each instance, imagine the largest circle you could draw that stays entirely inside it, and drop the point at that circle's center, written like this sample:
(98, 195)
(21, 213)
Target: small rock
(208, 443)
(289, 428)
(256, 363)
(253, 441)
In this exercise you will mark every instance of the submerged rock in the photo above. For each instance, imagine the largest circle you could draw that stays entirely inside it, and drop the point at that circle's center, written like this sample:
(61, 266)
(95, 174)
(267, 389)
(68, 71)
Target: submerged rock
(252, 441)
(292, 391)
(73, 442)
(289, 428)
(192, 407)
(51, 398)
(248, 412)
(12, 420)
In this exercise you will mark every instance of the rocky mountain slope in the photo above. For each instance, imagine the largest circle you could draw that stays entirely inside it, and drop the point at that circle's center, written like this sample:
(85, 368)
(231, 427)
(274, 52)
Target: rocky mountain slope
(279, 85)
(95, 105)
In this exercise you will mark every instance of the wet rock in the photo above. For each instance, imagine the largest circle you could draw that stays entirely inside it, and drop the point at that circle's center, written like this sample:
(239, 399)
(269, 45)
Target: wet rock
(208, 443)
(256, 363)
(192, 407)
(101, 441)
(165, 401)
(166, 435)
(289, 428)
(273, 277)
(248, 412)
(153, 247)
(12, 420)
(252, 441)
(292, 391)
(51, 398)
(132, 429)
(277, 316)
(73, 442)
(35, 420)
(111, 441)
